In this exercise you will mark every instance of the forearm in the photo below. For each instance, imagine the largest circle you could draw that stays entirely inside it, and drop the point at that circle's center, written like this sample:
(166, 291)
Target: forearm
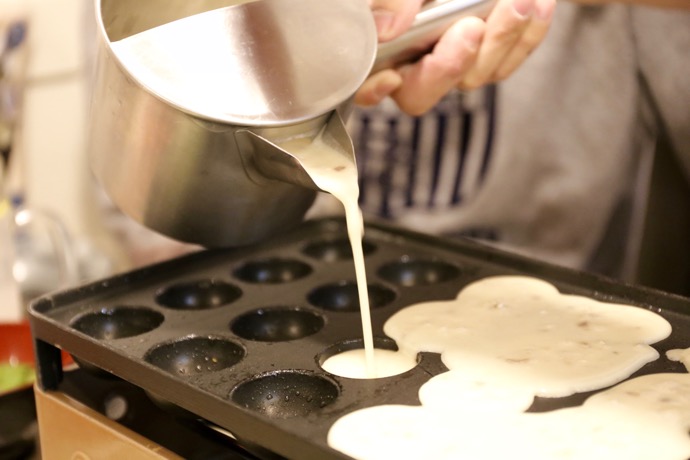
(676, 4)
(669, 4)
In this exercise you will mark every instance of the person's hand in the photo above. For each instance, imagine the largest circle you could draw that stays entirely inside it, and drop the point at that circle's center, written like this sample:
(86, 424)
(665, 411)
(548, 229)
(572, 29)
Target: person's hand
(472, 53)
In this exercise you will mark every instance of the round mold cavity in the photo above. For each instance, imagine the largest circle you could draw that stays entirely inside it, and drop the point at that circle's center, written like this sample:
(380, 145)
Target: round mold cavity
(418, 272)
(349, 359)
(277, 324)
(273, 271)
(344, 296)
(286, 394)
(333, 250)
(195, 355)
(382, 343)
(198, 295)
(118, 322)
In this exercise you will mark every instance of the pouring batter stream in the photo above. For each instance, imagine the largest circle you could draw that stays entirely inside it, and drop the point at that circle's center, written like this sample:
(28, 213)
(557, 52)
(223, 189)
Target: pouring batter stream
(334, 172)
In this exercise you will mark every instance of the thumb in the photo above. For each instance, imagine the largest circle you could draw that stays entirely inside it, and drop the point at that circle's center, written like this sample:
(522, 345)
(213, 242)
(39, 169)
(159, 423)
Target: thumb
(393, 17)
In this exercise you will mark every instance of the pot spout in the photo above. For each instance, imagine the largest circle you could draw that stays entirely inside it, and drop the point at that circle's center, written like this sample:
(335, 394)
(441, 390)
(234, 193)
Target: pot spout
(279, 159)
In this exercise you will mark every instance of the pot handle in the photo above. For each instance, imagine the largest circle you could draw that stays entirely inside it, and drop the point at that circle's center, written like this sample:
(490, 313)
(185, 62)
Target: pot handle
(431, 22)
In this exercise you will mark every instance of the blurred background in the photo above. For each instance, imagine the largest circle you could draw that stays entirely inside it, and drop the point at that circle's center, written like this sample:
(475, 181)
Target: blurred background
(48, 145)
(53, 211)
(50, 227)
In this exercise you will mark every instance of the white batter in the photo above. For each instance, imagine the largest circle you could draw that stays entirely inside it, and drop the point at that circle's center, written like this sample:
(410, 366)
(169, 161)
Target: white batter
(334, 171)
(506, 340)
(353, 364)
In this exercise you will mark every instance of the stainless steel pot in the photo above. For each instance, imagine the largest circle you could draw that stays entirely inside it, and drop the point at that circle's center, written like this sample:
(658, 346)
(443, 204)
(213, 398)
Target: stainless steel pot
(193, 99)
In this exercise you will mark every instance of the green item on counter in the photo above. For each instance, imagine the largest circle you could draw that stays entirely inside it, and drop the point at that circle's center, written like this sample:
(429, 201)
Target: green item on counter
(13, 376)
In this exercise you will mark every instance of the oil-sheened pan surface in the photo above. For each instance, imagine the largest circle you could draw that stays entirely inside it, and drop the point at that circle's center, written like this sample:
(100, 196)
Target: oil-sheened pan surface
(237, 336)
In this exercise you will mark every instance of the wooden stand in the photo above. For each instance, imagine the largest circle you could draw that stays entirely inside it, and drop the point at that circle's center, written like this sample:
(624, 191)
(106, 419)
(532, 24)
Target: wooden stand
(70, 430)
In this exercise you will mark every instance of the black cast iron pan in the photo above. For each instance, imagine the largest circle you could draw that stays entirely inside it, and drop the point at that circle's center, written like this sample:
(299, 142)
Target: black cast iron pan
(236, 337)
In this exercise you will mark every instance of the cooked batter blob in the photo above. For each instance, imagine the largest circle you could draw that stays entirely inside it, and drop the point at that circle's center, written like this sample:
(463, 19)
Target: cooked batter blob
(507, 340)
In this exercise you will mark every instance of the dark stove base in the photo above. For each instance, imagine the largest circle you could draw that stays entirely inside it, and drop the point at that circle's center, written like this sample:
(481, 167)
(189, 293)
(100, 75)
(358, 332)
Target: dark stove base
(180, 432)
